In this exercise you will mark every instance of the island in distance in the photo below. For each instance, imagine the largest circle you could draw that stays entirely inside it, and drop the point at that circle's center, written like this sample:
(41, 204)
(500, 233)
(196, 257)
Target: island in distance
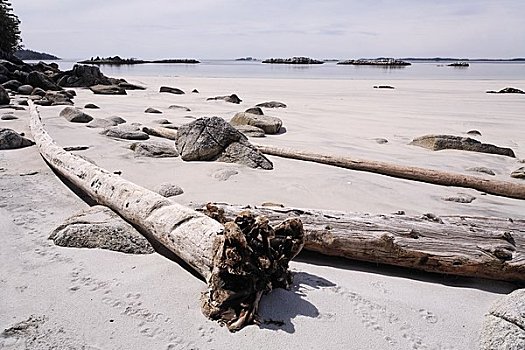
(117, 60)
(293, 60)
(386, 62)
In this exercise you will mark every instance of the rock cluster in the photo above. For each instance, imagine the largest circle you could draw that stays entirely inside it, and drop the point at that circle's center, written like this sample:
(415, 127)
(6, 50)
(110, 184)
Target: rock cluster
(10, 139)
(441, 142)
(293, 60)
(214, 139)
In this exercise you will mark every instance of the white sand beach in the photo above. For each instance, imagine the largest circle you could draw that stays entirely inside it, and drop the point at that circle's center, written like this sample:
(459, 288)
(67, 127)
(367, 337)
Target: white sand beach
(95, 299)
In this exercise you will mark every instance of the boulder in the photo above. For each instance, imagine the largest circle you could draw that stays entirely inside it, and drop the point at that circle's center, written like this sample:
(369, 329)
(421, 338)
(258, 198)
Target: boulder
(10, 139)
(213, 139)
(75, 115)
(168, 190)
(38, 92)
(271, 104)
(441, 142)
(107, 90)
(25, 89)
(12, 85)
(518, 173)
(91, 106)
(100, 123)
(161, 121)
(171, 90)
(504, 325)
(126, 132)
(154, 149)
(179, 107)
(57, 98)
(474, 133)
(270, 125)
(4, 96)
(100, 227)
(255, 110)
(195, 91)
(251, 131)
(233, 98)
(117, 119)
(129, 86)
(38, 79)
(460, 198)
(84, 76)
(152, 110)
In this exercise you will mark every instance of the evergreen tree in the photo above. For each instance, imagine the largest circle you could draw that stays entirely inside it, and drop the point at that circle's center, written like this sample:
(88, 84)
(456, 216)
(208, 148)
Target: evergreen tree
(10, 40)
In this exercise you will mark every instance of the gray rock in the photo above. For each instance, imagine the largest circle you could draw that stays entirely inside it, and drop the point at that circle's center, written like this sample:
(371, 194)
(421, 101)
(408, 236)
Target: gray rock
(12, 85)
(152, 110)
(380, 140)
(75, 115)
(460, 198)
(107, 90)
(25, 89)
(57, 98)
(154, 149)
(8, 117)
(4, 96)
(255, 110)
(10, 139)
(250, 131)
(168, 190)
(195, 91)
(441, 142)
(504, 325)
(270, 125)
(126, 132)
(99, 227)
(474, 133)
(171, 90)
(179, 107)
(40, 80)
(233, 98)
(91, 106)
(38, 92)
(483, 170)
(271, 104)
(518, 173)
(84, 76)
(117, 119)
(99, 123)
(161, 121)
(212, 138)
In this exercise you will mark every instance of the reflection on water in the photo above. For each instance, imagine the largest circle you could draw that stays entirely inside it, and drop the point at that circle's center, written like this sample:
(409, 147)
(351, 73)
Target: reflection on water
(328, 70)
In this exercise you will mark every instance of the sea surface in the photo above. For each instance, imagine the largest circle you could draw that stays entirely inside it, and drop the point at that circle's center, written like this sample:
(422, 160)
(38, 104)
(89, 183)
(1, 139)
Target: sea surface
(328, 70)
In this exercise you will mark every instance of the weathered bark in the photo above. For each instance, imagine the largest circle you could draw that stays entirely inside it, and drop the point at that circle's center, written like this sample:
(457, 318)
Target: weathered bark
(491, 248)
(236, 269)
(437, 177)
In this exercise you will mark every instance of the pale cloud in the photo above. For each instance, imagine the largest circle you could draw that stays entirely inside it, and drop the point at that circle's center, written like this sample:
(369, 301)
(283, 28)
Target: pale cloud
(234, 28)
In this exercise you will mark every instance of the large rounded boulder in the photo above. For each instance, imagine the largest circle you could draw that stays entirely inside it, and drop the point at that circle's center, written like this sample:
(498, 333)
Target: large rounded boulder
(270, 125)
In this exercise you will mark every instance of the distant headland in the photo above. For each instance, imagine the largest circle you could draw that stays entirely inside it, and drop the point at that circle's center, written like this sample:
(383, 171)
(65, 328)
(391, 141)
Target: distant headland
(117, 60)
(25, 54)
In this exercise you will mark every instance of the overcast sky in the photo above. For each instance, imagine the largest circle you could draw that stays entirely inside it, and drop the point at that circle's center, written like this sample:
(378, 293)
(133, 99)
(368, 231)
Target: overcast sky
(238, 28)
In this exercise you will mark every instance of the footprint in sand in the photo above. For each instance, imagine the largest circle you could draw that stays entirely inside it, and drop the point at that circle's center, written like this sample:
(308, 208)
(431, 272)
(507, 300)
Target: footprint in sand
(428, 316)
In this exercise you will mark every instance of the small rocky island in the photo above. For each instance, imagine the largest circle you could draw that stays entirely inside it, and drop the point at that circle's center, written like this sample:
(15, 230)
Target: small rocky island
(384, 62)
(459, 64)
(117, 60)
(293, 60)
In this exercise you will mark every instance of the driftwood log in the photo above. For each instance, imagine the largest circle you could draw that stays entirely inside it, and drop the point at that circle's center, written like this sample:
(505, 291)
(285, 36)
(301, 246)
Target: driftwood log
(239, 260)
(491, 248)
(437, 177)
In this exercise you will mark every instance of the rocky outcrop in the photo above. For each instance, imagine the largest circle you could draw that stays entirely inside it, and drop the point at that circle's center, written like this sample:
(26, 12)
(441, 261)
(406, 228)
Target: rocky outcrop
(100, 227)
(233, 98)
(504, 325)
(10, 139)
(75, 115)
(107, 90)
(459, 64)
(507, 90)
(4, 96)
(126, 132)
(293, 60)
(84, 76)
(270, 125)
(213, 139)
(441, 142)
(154, 149)
(171, 90)
(41, 80)
(387, 62)
(55, 98)
(101, 123)
(271, 104)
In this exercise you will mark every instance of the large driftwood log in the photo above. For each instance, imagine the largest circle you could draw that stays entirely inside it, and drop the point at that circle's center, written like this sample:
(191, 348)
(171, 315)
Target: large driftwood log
(240, 260)
(491, 248)
(437, 177)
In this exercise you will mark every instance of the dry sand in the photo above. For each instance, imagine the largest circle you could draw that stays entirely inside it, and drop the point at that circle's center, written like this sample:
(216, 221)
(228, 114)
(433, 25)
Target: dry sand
(93, 299)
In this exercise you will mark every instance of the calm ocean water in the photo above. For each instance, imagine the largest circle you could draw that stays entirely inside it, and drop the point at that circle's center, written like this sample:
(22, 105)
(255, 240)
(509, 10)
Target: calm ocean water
(329, 70)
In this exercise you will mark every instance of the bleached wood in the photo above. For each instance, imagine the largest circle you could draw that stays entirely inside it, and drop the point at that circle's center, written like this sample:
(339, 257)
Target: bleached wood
(437, 177)
(491, 248)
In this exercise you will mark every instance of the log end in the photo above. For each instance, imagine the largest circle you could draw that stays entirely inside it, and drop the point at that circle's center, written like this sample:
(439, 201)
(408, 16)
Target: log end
(250, 259)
